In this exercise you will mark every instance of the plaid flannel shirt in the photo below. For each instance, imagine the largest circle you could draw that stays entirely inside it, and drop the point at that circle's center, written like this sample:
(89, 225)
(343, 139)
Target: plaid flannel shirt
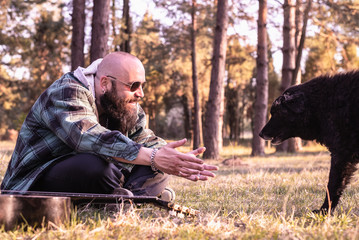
(64, 121)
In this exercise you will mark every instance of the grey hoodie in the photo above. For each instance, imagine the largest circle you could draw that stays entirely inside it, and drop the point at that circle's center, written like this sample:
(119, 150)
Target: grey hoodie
(86, 75)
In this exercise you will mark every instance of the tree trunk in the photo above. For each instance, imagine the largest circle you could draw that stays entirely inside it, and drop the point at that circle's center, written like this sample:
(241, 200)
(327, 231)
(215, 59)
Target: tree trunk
(260, 105)
(213, 111)
(288, 53)
(221, 119)
(115, 43)
(300, 40)
(186, 116)
(288, 44)
(100, 29)
(298, 33)
(295, 144)
(196, 107)
(78, 34)
(126, 27)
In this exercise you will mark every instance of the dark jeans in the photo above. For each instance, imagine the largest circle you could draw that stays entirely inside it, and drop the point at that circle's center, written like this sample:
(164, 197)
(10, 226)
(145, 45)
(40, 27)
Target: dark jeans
(88, 173)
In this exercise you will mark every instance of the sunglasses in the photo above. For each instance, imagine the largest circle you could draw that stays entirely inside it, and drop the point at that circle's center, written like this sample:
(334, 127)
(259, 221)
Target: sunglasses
(133, 86)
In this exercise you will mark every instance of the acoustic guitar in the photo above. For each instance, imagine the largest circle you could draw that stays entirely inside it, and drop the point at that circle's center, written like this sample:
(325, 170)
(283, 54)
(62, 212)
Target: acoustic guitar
(34, 208)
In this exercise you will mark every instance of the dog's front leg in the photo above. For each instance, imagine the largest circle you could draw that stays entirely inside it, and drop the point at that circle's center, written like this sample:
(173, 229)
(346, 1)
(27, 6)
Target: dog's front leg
(341, 171)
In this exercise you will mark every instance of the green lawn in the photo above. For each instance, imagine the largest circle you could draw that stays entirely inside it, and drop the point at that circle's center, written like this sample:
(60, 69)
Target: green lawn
(251, 198)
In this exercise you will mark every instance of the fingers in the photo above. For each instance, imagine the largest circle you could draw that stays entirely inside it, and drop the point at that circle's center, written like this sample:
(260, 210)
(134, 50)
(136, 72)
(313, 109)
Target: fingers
(206, 170)
(198, 151)
(207, 174)
(210, 167)
(185, 165)
(188, 172)
(191, 161)
(171, 161)
(195, 168)
(198, 175)
(196, 178)
(177, 144)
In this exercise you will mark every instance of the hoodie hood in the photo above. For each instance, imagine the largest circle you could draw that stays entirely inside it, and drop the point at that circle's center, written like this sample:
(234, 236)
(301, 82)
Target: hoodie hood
(87, 75)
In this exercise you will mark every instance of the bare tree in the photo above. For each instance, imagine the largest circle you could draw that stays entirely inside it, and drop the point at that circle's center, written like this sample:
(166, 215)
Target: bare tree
(298, 33)
(114, 23)
(78, 34)
(261, 101)
(126, 27)
(288, 52)
(100, 29)
(288, 44)
(212, 126)
(196, 107)
(300, 40)
(301, 19)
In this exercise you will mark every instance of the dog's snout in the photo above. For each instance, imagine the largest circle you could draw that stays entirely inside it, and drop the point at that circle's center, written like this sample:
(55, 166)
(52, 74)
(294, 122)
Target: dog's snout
(261, 134)
(265, 136)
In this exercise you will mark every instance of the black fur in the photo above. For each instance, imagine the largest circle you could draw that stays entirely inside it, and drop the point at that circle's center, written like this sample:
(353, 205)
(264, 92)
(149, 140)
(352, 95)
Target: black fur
(325, 109)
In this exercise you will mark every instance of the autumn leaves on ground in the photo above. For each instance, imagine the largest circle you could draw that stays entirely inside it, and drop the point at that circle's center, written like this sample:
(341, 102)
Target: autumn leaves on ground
(267, 197)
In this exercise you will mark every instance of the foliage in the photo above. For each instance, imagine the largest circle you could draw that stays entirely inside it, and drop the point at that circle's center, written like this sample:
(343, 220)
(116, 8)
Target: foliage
(49, 52)
(273, 78)
(321, 58)
(168, 58)
(350, 59)
(148, 47)
(39, 48)
(333, 49)
(177, 39)
(240, 65)
(343, 17)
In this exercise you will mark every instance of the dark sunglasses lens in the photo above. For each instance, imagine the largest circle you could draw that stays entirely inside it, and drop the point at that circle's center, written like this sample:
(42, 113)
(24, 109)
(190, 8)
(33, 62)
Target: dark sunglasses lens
(136, 85)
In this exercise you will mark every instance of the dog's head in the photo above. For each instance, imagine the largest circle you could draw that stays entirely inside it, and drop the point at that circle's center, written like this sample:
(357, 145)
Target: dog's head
(288, 117)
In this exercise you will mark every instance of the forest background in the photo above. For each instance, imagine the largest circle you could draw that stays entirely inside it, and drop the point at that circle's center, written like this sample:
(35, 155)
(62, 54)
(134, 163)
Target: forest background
(177, 43)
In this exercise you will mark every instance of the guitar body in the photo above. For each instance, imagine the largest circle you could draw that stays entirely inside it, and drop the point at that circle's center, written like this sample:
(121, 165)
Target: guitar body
(33, 210)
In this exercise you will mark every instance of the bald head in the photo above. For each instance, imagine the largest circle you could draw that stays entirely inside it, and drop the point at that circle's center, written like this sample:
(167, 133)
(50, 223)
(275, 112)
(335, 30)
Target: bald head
(121, 65)
(115, 75)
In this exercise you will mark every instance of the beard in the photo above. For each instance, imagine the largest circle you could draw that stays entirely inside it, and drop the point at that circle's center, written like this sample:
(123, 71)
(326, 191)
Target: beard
(120, 115)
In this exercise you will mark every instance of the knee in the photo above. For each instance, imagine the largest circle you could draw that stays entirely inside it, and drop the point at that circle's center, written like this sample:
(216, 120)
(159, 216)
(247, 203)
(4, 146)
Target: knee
(94, 166)
(101, 169)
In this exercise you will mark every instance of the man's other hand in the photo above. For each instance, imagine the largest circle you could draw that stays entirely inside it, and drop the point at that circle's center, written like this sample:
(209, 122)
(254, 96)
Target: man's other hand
(185, 165)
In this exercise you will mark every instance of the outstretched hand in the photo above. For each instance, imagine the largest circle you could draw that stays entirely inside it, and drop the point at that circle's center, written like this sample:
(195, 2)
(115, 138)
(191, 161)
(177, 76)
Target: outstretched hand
(185, 165)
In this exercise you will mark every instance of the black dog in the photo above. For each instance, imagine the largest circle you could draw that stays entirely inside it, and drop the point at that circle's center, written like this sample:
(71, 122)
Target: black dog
(325, 109)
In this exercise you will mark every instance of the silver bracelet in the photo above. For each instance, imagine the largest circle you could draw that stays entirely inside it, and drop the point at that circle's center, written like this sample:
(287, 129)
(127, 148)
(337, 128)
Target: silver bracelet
(152, 159)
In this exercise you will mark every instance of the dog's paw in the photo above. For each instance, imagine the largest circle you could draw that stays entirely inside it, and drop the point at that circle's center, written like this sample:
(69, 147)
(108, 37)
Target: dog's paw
(322, 211)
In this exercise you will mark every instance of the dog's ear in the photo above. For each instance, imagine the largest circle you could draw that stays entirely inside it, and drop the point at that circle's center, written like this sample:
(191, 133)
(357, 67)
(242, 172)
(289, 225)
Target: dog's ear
(294, 102)
(279, 101)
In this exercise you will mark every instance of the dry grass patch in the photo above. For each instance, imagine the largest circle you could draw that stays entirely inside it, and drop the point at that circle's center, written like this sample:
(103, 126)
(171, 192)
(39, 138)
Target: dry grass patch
(258, 198)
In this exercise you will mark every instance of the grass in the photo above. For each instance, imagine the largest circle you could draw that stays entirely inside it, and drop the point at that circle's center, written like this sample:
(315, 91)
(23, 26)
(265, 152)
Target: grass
(269, 197)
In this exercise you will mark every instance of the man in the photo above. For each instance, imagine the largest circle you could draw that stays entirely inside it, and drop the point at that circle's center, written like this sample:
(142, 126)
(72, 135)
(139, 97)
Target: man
(86, 133)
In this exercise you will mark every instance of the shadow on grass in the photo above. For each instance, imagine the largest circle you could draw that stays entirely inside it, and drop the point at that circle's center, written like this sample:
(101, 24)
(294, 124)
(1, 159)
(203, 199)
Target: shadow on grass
(251, 170)
(287, 154)
(302, 153)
